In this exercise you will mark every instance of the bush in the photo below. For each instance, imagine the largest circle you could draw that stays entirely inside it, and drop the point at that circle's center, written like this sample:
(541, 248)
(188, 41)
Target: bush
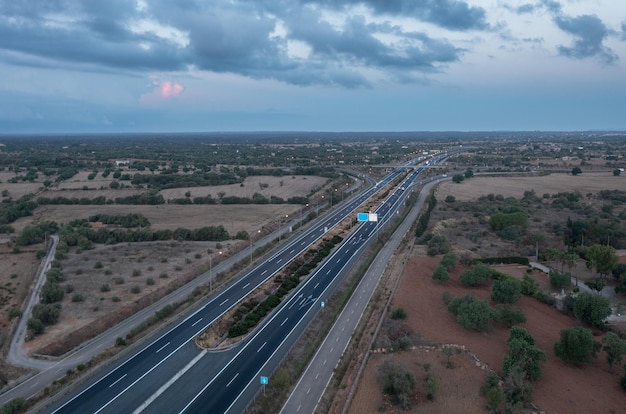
(135, 289)
(529, 286)
(399, 313)
(105, 288)
(506, 290)
(48, 314)
(14, 406)
(438, 245)
(51, 292)
(150, 281)
(509, 315)
(441, 274)
(35, 326)
(98, 265)
(14, 313)
(448, 261)
(471, 313)
(77, 297)
(479, 275)
(592, 309)
(576, 346)
(396, 381)
(559, 280)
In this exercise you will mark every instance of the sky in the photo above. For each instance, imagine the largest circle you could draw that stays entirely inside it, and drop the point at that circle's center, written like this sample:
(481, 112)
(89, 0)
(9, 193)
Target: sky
(84, 66)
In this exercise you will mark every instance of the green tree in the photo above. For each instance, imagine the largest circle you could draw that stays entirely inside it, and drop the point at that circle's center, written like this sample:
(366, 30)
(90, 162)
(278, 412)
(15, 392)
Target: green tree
(506, 290)
(51, 292)
(576, 171)
(35, 326)
(591, 309)
(523, 354)
(471, 313)
(458, 178)
(617, 172)
(448, 261)
(48, 314)
(615, 348)
(492, 391)
(509, 315)
(479, 275)
(576, 346)
(469, 173)
(438, 244)
(603, 259)
(441, 274)
(559, 280)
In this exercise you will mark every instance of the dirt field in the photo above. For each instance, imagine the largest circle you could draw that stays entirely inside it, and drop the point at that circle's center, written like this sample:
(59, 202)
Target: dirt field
(143, 266)
(171, 216)
(297, 185)
(561, 389)
(515, 186)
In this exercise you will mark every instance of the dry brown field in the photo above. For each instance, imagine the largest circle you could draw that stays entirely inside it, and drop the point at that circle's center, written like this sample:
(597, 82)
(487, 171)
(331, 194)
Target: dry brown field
(148, 266)
(515, 186)
(561, 389)
(284, 187)
(234, 218)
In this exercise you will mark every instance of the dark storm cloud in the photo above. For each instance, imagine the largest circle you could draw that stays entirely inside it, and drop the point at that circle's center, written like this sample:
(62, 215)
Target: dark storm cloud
(450, 14)
(528, 8)
(589, 33)
(222, 36)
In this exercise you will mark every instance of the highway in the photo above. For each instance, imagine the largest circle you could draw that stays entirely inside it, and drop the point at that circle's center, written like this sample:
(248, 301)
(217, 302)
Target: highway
(142, 380)
(221, 393)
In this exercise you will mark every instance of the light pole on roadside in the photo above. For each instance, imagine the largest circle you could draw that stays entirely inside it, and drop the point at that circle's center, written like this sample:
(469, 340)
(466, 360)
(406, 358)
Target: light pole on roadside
(210, 270)
(258, 232)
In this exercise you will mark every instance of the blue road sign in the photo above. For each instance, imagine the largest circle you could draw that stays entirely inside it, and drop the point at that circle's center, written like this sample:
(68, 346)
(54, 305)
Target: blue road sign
(264, 380)
(362, 216)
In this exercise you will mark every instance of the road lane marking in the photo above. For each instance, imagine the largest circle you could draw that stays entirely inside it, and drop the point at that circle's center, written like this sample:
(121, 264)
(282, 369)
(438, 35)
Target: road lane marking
(316, 285)
(329, 270)
(279, 260)
(226, 300)
(169, 383)
(309, 390)
(196, 322)
(284, 322)
(263, 272)
(119, 379)
(259, 350)
(292, 250)
(246, 285)
(231, 381)
(160, 349)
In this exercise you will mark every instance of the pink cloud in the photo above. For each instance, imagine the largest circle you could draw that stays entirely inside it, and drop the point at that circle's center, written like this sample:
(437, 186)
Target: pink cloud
(170, 89)
(162, 90)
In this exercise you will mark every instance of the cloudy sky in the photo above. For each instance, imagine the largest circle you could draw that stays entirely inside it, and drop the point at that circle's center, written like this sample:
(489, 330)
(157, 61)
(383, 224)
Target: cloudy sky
(311, 65)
